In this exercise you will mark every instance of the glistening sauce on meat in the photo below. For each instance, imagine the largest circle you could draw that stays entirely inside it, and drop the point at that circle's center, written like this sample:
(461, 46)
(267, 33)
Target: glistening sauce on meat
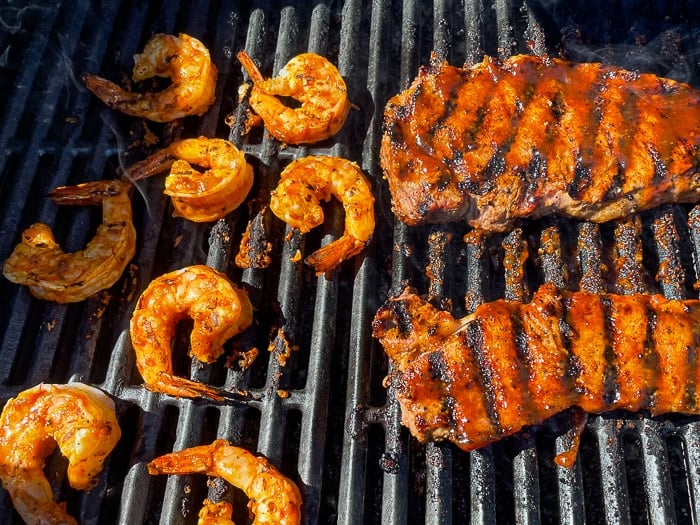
(529, 136)
(508, 365)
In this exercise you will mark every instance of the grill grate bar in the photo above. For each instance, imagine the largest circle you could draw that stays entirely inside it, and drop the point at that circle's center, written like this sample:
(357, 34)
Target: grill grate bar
(656, 474)
(612, 472)
(22, 89)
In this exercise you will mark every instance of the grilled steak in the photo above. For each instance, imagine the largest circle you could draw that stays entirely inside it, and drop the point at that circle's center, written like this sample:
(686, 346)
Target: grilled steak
(507, 365)
(530, 136)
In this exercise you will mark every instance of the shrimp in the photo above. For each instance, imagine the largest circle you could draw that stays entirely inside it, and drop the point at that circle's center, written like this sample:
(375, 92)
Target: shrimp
(219, 309)
(80, 419)
(311, 80)
(305, 182)
(274, 498)
(52, 274)
(200, 197)
(185, 60)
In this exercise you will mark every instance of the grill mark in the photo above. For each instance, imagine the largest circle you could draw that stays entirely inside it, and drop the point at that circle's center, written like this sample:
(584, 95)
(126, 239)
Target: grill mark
(621, 146)
(400, 312)
(438, 367)
(536, 171)
(510, 99)
(527, 156)
(630, 114)
(522, 350)
(449, 107)
(582, 179)
(611, 388)
(475, 108)
(558, 107)
(475, 342)
(472, 132)
(615, 189)
(498, 163)
(574, 367)
(448, 408)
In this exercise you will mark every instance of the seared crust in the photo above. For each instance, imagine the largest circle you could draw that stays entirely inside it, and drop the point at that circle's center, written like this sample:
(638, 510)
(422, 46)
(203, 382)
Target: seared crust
(530, 136)
(508, 365)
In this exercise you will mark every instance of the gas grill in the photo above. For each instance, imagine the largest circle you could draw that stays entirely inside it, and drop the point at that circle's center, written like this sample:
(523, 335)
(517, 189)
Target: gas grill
(317, 408)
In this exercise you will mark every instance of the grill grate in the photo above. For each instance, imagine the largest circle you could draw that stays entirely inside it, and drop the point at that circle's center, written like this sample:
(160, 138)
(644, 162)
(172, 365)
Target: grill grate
(338, 432)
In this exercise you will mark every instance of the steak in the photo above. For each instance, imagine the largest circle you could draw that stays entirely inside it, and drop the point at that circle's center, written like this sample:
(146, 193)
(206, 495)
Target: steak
(530, 136)
(477, 379)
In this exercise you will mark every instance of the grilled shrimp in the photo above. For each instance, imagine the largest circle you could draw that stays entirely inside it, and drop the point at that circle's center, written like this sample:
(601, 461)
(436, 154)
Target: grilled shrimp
(305, 182)
(51, 274)
(309, 79)
(183, 59)
(274, 498)
(80, 419)
(200, 197)
(218, 308)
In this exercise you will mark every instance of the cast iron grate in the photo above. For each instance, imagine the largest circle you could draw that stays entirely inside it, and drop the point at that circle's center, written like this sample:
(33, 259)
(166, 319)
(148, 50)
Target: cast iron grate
(324, 417)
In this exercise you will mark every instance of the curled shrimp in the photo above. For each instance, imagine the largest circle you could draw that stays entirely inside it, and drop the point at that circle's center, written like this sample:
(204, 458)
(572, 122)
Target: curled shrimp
(185, 60)
(200, 197)
(52, 274)
(274, 498)
(307, 181)
(80, 419)
(218, 308)
(311, 80)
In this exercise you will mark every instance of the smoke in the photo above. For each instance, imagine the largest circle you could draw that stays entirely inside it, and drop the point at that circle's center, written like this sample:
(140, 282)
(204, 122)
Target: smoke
(11, 17)
(12, 21)
(672, 53)
(652, 37)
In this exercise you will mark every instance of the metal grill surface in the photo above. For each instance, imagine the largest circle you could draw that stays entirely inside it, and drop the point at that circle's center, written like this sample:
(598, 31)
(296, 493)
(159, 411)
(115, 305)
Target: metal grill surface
(322, 415)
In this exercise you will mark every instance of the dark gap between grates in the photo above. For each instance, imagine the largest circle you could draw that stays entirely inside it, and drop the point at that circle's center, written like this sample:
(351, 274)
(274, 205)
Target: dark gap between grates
(679, 478)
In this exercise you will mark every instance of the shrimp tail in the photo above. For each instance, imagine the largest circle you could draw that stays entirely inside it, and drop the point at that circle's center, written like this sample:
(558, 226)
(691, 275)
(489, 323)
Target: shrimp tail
(152, 165)
(88, 193)
(328, 257)
(197, 460)
(181, 387)
(249, 66)
(110, 93)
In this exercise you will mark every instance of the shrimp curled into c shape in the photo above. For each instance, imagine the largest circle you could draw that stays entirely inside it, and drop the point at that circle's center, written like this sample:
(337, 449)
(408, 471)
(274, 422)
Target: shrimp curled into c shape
(200, 197)
(80, 419)
(274, 498)
(185, 60)
(50, 273)
(307, 181)
(311, 80)
(218, 308)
